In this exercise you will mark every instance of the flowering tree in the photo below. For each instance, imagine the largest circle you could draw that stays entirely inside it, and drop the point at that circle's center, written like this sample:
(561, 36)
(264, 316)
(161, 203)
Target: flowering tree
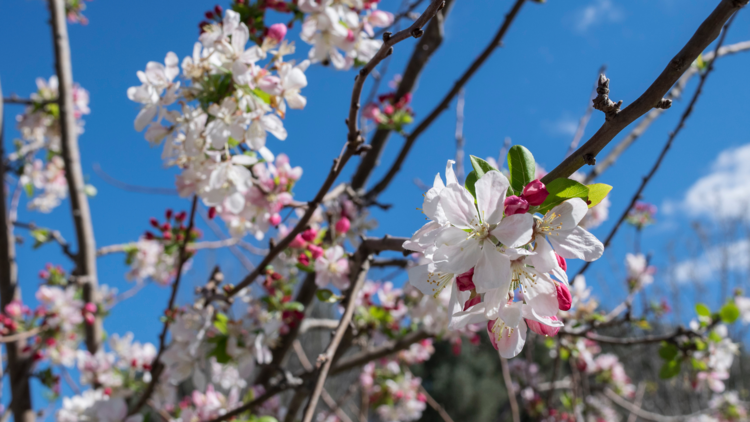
(489, 266)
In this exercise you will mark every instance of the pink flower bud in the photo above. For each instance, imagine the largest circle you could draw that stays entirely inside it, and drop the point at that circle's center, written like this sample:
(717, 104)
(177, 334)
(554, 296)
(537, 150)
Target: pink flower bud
(535, 192)
(515, 205)
(303, 259)
(309, 234)
(168, 213)
(219, 11)
(493, 338)
(298, 242)
(471, 302)
(421, 397)
(564, 299)
(275, 220)
(315, 250)
(14, 309)
(167, 235)
(465, 281)
(371, 112)
(561, 262)
(388, 109)
(542, 329)
(154, 222)
(89, 319)
(343, 225)
(211, 213)
(277, 32)
(349, 35)
(89, 307)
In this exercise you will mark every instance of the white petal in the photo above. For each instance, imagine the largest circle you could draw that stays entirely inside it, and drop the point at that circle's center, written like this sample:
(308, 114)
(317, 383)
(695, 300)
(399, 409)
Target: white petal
(273, 124)
(145, 116)
(577, 243)
(492, 270)
(450, 236)
(544, 259)
(494, 300)
(569, 213)
(515, 230)
(423, 238)
(458, 205)
(541, 294)
(491, 189)
(457, 259)
(450, 175)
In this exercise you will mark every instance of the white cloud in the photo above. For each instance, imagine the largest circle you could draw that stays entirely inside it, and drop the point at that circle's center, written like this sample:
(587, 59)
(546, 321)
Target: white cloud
(706, 268)
(597, 13)
(725, 192)
(563, 126)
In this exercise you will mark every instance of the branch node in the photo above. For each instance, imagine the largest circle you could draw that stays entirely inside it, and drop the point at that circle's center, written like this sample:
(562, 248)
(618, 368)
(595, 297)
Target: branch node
(389, 52)
(602, 102)
(417, 32)
(664, 104)
(363, 148)
(363, 71)
(387, 35)
(589, 159)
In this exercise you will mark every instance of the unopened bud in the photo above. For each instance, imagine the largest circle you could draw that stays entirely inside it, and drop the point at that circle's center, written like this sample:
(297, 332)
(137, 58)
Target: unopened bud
(315, 250)
(564, 299)
(343, 225)
(277, 32)
(275, 220)
(465, 281)
(535, 193)
(515, 205)
(212, 213)
(543, 329)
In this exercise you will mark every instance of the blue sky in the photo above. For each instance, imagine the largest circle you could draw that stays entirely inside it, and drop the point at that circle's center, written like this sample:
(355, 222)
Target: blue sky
(533, 90)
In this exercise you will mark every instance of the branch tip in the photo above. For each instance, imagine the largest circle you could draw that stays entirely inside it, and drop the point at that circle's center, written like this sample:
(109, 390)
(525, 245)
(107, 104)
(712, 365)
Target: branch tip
(602, 102)
(664, 104)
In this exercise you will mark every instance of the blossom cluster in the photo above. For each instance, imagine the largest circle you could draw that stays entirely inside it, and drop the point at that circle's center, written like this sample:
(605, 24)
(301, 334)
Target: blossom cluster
(215, 123)
(393, 391)
(503, 256)
(44, 178)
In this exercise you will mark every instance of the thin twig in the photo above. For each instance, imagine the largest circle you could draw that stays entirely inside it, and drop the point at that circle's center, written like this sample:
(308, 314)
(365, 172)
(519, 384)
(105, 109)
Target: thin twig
(705, 34)
(381, 351)
(428, 44)
(129, 187)
(644, 414)
(19, 336)
(79, 203)
(688, 111)
(460, 141)
(329, 401)
(405, 14)
(244, 260)
(511, 391)
(326, 359)
(20, 403)
(652, 115)
(435, 405)
(585, 118)
(443, 105)
(158, 366)
(354, 141)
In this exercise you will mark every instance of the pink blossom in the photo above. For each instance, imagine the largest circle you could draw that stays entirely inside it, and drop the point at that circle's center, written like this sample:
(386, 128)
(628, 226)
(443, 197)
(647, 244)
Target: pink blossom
(564, 299)
(275, 220)
(535, 193)
(542, 329)
(516, 205)
(277, 32)
(471, 302)
(315, 250)
(465, 281)
(343, 225)
(298, 242)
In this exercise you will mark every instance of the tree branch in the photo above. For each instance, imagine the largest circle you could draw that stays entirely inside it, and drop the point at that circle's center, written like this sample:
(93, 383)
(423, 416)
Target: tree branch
(705, 35)
(511, 391)
(17, 366)
(688, 111)
(79, 203)
(644, 414)
(354, 140)
(157, 365)
(443, 105)
(652, 115)
(428, 44)
(381, 351)
(435, 405)
(357, 277)
(584, 121)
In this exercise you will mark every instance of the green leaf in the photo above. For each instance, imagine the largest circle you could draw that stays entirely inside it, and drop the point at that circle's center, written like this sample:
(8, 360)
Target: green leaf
(221, 323)
(521, 166)
(729, 313)
(232, 142)
(308, 269)
(670, 369)
(560, 190)
(265, 97)
(266, 419)
(480, 166)
(29, 189)
(668, 351)
(714, 336)
(702, 310)
(220, 351)
(471, 179)
(41, 236)
(326, 296)
(699, 365)
(597, 192)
